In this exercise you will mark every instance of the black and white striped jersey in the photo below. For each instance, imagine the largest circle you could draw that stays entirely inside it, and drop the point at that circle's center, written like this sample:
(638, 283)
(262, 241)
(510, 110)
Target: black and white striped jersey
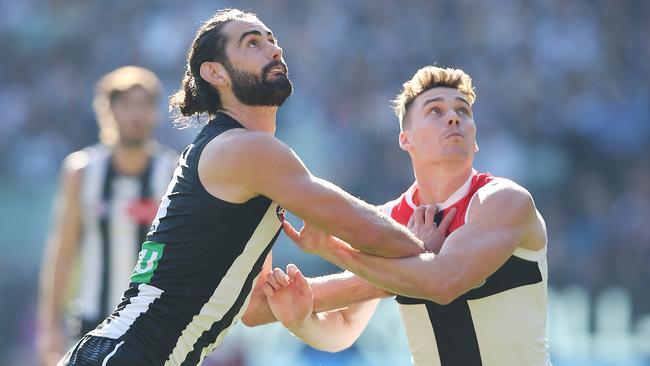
(117, 211)
(197, 268)
(500, 322)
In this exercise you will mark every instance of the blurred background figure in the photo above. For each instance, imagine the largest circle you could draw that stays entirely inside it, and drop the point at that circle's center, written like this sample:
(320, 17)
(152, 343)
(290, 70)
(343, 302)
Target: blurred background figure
(108, 195)
(564, 110)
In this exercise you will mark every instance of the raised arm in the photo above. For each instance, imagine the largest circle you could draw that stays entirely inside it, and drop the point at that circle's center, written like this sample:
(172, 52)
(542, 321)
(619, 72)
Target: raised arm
(254, 163)
(58, 258)
(501, 218)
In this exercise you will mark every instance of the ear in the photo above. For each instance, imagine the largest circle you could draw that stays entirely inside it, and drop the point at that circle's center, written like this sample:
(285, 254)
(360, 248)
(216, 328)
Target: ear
(475, 147)
(214, 73)
(404, 142)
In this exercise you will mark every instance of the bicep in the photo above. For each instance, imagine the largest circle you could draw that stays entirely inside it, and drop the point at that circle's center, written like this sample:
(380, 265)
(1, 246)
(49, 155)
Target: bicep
(482, 245)
(275, 171)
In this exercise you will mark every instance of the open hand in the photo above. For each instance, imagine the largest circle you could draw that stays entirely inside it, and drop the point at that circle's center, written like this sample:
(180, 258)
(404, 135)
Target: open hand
(289, 296)
(422, 225)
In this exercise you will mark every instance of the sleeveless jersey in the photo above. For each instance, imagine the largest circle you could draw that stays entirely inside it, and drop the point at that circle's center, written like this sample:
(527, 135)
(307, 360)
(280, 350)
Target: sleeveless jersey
(197, 268)
(117, 211)
(501, 322)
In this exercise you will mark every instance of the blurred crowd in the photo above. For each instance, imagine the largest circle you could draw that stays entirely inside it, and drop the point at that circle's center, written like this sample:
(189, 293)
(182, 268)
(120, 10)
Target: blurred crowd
(563, 108)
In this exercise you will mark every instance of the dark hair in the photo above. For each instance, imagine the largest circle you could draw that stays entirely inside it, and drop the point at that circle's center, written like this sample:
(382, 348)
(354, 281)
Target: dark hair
(196, 96)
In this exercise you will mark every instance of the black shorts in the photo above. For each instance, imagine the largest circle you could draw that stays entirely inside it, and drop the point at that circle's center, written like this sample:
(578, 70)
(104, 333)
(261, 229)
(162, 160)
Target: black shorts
(98, 351)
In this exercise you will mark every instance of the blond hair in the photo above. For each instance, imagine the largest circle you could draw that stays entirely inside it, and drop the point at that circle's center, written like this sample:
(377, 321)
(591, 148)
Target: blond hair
(430, 77)
(112, 85)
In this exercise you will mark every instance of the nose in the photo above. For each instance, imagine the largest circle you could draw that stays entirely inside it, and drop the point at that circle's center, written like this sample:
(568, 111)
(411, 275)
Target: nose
(276, 52)
(453, 120)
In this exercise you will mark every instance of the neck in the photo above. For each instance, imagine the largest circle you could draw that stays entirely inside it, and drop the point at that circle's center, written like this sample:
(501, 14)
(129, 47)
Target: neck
(131, 160)
(436, 183)
(254, 118)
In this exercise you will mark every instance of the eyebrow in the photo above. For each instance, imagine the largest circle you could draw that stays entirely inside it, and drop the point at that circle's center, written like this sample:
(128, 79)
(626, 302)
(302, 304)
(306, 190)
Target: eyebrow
(440, 99)
(256, 32)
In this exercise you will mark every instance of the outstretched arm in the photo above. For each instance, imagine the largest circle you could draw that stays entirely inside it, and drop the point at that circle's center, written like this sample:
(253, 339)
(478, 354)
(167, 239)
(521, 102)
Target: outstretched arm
(262, 165)
(291, 300)
(499, 221)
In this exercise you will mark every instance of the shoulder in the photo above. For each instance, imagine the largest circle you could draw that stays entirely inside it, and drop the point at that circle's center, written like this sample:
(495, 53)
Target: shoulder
(245, 147)
(503, 197)
(74, 167)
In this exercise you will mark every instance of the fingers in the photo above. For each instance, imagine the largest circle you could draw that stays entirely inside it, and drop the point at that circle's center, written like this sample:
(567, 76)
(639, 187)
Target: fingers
(277, 279)
(291, 232)
(282, 278)
(303, 285)
(429, 215)
(418, 216)
(270, 280)
(410, 223)
(268, 290)
(291, 271)
(444, 224)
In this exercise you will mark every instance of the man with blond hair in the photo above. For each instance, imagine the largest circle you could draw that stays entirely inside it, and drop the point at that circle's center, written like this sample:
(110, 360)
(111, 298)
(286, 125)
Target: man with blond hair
(108, 196)
(479, 297)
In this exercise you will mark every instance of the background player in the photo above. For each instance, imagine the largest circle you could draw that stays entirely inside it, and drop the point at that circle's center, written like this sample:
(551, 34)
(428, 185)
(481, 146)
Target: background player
(108, 196)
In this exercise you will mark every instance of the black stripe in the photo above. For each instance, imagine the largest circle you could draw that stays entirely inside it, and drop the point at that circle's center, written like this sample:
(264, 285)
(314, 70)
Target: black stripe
(455, 334)
(107, 194)
(209, 336)
(516, 272)
(452, 324)
(145, 193)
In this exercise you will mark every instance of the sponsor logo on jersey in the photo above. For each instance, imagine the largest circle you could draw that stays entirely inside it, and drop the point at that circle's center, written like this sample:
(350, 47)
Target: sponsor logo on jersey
(147, 261)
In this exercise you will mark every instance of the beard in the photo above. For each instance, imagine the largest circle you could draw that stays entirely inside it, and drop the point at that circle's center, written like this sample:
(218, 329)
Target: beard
(254, 90)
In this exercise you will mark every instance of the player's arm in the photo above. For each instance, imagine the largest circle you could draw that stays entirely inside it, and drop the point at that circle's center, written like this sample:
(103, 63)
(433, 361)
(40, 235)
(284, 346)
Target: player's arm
(264, 165)
(291, 301)
(499, 220)
(330, 292)
(58, 259)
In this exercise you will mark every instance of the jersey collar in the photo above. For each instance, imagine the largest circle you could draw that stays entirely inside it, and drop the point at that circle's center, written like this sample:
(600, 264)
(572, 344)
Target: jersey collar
(455, 197)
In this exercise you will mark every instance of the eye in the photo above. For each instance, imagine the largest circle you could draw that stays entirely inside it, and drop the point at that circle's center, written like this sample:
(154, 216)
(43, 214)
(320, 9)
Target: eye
(436, 110)
(463, 111)
(252, 43)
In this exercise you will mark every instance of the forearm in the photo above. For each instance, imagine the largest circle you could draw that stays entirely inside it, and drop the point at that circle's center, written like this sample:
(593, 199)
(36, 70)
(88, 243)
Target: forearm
(369, 230)
(330, 293)
(412, 276)
(342, 289)
(336, 330)
(362, 225)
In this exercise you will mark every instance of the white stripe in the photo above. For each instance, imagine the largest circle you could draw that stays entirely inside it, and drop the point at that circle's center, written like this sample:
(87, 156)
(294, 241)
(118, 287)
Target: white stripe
(108, 357)
(90, 244)
(226, 293)
(119, 324)
(420, 335)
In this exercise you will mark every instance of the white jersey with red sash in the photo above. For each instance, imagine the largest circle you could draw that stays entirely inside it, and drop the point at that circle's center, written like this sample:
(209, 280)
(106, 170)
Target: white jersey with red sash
(501, 322)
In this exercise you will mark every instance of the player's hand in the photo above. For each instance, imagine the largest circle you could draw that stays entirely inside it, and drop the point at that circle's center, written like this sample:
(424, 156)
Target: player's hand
(289, 296)
(423, 226)
(310, 238)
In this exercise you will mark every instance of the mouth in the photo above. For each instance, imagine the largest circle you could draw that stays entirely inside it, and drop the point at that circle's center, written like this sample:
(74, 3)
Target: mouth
(277, 70)
(454, 134)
